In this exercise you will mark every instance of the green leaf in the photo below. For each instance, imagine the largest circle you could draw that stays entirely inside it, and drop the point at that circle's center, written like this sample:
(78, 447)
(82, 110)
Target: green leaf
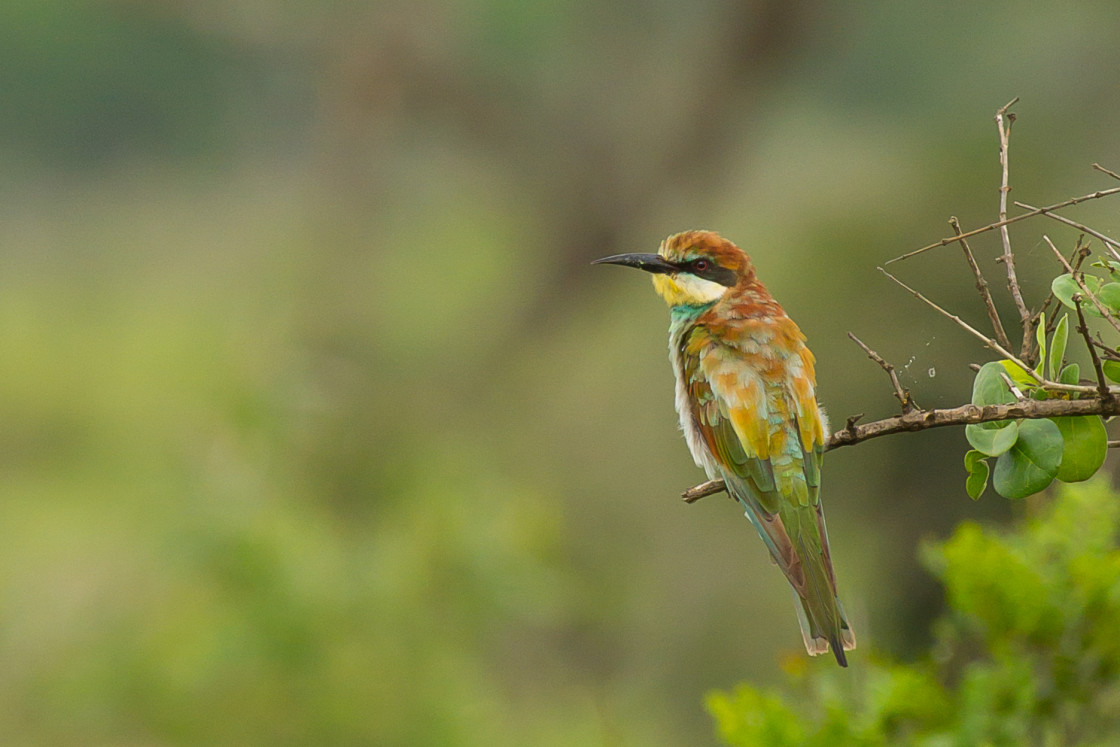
(1031, 463)
(1058, 344)
(1065, 288)
(989, 388)
(1018, 374)
(1111, 370)
(971, 457)
(992, 441)
(1086, 445)
(1071, 374)
(978, 471)
(1109, 295)
(1113, 267)
(977, 481)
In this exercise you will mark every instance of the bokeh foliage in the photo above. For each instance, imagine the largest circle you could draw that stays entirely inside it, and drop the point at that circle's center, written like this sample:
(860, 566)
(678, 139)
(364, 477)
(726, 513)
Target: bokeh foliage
(1025, 654)
(316, 426)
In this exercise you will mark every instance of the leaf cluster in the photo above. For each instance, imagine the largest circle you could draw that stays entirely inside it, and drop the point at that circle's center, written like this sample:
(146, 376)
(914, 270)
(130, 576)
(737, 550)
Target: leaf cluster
(1107, 291)
(1028, 652)
(1031, 454)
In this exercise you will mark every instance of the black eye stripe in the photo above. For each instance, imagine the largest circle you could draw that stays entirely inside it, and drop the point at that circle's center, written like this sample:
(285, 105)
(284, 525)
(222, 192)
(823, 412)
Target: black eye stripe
(712, 272)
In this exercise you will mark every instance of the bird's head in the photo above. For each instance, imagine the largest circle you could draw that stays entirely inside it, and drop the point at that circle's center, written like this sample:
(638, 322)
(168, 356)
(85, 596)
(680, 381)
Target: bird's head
(694, 268)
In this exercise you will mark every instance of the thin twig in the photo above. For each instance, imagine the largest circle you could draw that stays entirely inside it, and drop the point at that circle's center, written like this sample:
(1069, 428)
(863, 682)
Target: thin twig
(1108, 352)
(1009, 221)
(920, 420)
(981, 286)
(900, 393)
(1083, 330)
(1081, 284)
(1011, 385)
(703, 490)
(1051, 325)
(1111, 244)
(1080, 254)
(992, 344)
(1113, 444)
(1008, 258)
(1102, 169)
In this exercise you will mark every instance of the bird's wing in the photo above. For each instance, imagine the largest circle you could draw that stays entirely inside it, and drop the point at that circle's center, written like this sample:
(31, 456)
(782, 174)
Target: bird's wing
(764, 432)
(755, 406)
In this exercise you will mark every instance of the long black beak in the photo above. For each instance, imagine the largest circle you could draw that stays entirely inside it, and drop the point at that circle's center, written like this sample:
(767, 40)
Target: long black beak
(648, 262)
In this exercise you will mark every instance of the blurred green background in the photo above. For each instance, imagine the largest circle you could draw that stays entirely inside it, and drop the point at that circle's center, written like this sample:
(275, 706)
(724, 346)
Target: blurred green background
(319, 428)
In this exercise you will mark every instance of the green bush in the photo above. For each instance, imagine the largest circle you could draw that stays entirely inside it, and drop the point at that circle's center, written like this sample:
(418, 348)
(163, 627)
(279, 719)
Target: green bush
(1027, 653)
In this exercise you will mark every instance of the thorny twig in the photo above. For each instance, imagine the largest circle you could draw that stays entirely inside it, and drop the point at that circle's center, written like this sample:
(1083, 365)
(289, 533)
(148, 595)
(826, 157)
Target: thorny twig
(981, 286)
(703, 490)
(1008, 258)
(1103, 170)
(1109, 353)
(1083, 330)
(1011, 385)
(995, 346)
(920, 420)
(1110, 244)
(900, 393)
(1009, 221)
(1080, 254)
(989, 342)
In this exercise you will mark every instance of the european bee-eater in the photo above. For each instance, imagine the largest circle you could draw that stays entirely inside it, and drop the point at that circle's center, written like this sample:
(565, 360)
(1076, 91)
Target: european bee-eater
(746, 399)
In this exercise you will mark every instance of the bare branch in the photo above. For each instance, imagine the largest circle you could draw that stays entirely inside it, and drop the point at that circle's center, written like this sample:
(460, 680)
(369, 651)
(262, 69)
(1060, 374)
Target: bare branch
(920, 420)
(1008, 258)
(1102, 169)
(1083, 330)
(900, 393)
(703, 490)
(1003, 110)
(1080, 254)
(972, 413)
(1029, 409)
(1011, 385)
(989, 342)
(1009, 221)
(1110, 244)
(1108, 353)
(981, 286)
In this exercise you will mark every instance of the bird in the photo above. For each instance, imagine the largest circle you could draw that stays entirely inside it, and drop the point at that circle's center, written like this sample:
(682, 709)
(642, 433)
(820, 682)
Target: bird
(746, 399)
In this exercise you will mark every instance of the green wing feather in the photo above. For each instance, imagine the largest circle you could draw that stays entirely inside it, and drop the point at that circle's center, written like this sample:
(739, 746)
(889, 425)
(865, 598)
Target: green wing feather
(767, 438)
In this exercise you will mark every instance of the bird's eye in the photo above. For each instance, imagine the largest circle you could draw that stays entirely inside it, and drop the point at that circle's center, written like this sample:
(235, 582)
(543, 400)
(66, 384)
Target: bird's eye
(701, 265)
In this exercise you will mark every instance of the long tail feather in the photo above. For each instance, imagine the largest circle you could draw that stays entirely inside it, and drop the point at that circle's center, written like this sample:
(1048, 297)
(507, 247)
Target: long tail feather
(806, 563)
(797, 539)
(824, 625)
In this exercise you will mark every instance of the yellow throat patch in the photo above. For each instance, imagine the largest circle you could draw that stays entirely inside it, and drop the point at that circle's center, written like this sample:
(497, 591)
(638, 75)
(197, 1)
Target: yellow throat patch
(684, 289)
